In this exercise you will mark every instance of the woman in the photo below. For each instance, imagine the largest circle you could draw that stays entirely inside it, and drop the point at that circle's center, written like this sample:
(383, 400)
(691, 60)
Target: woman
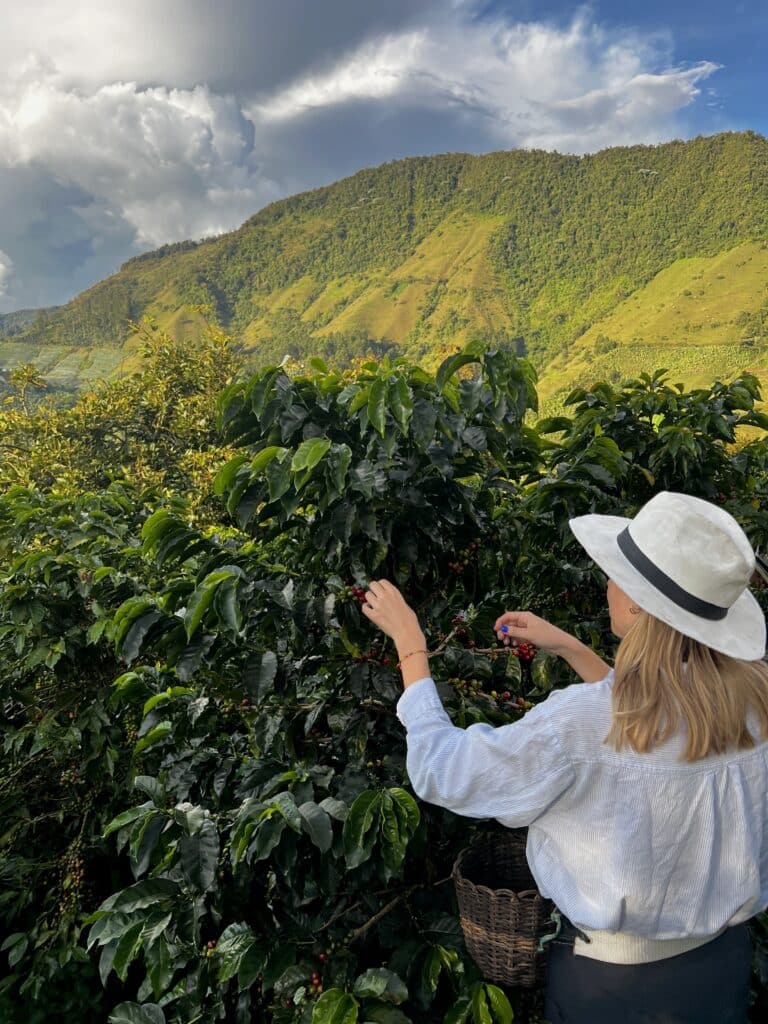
(646, 794)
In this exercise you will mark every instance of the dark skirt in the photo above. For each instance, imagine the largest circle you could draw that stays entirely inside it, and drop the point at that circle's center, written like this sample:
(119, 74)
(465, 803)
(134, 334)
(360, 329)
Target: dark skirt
(707, 985)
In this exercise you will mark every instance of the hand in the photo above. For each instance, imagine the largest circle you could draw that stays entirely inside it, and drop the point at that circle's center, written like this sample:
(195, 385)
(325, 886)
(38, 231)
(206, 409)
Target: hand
(386, 607)
(537, 631)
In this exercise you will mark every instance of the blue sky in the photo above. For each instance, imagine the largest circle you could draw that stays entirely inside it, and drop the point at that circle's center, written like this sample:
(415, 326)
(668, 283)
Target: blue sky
(124, 126)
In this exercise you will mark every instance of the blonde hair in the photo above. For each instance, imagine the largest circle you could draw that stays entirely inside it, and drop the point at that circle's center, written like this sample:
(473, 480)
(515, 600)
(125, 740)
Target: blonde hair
(664, 680)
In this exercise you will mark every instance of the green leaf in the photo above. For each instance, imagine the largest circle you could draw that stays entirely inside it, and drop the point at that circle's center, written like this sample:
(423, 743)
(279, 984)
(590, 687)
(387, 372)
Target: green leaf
(423, 423)
(268, 836)
(340, 458)
(358, 833)
(336, 808)
(110, 927)
(17, 945)
(400, 402)
(381, 983)
(126, 817)
(141, 895)
(471, 353)
(159, 732)
(226, 475)
(227, 606)
(169, 694)
(127, 950)
(160, 969)
(459, 1012)
(233, 944)
(202, 597)
(200, 855)
(265, 456)
(252, 964)
(260, 674)
(359, 400)
(377, 407)
(317, 824)
(430, 975)
(137, 1013)
(408, 806)
(309, 453)
(278, 477)
(502, 1011)
(286, 805)
(130, 643)
(335, 1007)
(480, 1012)
(393, 844)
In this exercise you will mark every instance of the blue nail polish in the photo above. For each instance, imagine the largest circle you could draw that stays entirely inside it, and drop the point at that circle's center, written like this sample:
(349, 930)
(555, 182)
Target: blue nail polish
(505, 629)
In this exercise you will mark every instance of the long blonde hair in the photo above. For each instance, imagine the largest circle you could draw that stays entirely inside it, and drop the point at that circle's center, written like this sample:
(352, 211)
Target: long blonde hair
(654, 694)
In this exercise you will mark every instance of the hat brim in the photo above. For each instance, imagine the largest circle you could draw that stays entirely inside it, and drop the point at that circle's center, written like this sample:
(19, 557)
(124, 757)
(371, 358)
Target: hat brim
(741, 634)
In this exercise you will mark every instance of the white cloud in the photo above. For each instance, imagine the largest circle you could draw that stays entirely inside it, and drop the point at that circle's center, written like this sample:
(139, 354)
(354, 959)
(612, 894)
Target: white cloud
(6, 269)
(577, 88)
(174, 163)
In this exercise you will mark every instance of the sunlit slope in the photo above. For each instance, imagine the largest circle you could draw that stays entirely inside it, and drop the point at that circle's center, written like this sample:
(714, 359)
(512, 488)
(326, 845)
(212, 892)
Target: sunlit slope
(604, 264)
(701, 318)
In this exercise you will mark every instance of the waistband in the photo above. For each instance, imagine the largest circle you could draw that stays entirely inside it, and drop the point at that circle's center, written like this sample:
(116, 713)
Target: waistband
(622, 948)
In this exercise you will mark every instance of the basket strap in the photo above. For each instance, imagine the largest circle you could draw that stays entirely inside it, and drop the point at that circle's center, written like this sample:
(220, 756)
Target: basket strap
(556, 920)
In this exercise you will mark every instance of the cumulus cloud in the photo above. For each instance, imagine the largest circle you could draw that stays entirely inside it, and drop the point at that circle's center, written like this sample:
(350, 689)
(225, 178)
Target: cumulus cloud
(127, 126)
(174, 163)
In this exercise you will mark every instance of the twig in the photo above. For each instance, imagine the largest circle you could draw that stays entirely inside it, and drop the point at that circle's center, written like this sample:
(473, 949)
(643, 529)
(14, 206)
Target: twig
(337, 915)
(359, 932)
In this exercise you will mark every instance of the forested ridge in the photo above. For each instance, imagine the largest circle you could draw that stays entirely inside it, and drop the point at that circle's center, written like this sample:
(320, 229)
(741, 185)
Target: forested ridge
(424, 254)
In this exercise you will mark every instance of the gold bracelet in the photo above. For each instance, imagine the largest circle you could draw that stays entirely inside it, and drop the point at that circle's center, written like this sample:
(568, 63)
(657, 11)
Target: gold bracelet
(410, 654)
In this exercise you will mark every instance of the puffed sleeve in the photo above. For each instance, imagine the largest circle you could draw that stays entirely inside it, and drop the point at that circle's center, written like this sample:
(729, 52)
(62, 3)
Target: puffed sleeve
(513, 772)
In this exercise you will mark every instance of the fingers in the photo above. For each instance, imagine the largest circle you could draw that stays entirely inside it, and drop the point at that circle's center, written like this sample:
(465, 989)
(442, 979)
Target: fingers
(515, 620)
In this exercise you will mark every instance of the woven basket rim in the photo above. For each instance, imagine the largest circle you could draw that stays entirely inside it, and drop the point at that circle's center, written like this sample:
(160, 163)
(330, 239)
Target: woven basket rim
(458, 878)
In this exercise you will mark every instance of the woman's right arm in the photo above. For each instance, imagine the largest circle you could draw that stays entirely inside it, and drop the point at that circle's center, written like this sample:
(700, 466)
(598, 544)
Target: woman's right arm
(553, 640)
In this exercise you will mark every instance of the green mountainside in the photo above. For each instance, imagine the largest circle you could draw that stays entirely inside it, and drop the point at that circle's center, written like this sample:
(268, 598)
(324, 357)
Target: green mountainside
(21, 320)
(600, 265)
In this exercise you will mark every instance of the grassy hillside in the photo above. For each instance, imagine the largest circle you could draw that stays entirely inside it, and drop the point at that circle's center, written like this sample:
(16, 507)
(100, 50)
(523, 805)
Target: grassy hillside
(603, 264)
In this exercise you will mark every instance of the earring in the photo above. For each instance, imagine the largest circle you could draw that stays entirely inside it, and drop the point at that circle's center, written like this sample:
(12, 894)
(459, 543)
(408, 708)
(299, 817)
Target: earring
(633, 610)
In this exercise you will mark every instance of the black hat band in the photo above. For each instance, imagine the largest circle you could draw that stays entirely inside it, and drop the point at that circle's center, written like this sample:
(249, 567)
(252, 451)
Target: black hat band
(664, 584)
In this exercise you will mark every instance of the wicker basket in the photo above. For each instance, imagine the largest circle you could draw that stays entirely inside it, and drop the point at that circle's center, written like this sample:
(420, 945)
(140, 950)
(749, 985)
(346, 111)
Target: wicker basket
(503, 915)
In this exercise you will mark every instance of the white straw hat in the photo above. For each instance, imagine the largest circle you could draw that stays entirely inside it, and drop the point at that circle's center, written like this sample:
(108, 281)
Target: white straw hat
(688, 563)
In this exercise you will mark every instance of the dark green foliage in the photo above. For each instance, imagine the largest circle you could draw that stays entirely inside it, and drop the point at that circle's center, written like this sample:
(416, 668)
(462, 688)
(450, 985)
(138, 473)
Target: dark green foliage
(204, 796)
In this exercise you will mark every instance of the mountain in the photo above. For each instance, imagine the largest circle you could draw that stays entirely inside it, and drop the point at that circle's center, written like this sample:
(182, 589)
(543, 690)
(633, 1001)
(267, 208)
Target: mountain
(20, 320)
(600, 265)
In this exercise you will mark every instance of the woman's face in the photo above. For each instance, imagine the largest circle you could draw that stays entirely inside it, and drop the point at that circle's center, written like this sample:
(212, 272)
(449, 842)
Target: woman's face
(619, 605)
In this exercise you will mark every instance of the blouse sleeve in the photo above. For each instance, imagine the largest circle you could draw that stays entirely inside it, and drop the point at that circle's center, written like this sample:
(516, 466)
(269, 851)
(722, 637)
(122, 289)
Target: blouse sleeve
(513, 772)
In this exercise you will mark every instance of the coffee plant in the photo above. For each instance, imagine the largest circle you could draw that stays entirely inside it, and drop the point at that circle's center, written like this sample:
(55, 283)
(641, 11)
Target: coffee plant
(205, 809)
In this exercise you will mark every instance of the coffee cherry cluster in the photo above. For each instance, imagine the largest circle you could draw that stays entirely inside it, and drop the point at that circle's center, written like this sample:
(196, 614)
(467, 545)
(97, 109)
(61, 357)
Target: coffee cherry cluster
(72, 875)
(370, 655)
(523, 650)
(316, 982)
(70, 776)
(131, 723)
(465, 556)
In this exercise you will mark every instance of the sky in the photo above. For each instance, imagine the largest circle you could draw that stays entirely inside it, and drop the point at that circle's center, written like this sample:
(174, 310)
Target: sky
(130, 124)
